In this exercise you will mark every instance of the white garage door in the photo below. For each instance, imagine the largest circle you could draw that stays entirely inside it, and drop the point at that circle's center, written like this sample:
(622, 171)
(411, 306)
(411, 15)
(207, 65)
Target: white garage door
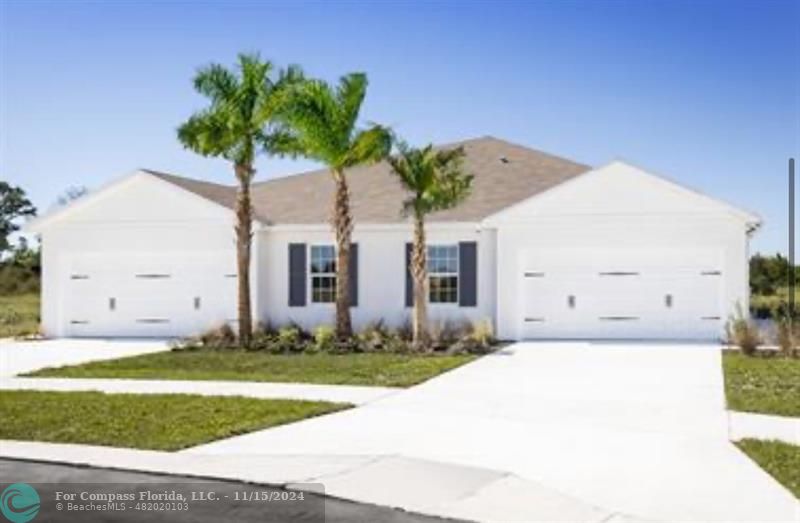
(621, 293)
(165, 294)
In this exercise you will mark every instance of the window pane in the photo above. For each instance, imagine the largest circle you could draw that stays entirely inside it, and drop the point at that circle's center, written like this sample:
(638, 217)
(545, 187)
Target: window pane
(443, 259)
(323, 289)
(444, 289)
(323, 259)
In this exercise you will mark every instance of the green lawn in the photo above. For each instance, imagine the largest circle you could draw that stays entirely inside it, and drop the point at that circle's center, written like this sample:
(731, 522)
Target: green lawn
(19, 314)
(770, 385)
(388, 370)
(143, 421)
(781, 460)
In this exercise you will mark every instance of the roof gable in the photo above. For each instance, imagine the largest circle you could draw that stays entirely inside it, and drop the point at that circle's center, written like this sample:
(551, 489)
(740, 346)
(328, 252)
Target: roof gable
(620, 188)
(141, 196)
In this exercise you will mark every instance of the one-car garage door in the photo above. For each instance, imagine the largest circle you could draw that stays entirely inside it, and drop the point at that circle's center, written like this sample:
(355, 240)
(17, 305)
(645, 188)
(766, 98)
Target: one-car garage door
(165, 294)
(622, 293)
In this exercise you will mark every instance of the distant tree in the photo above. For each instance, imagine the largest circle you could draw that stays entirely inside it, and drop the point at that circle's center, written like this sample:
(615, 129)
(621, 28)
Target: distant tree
(26, 257)
(323, 126)
(435, 180)
(71, 194)
(14, 205)
(239, 123)
(768, 273)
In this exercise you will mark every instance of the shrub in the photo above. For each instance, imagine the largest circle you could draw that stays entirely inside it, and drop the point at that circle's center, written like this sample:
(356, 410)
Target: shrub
(406, 330)
(288, 339)
(742, 332)
(483, 331)
(373, 337)
(788, 335)
(324, 339)
(445, 333)
(221, 337)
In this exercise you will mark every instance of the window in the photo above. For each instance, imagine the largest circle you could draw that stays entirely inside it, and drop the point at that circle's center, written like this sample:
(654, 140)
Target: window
(323, 274)
(443, 273)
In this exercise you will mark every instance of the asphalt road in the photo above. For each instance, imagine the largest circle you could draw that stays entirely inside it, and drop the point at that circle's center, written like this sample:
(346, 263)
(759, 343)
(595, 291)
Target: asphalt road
(233, 502)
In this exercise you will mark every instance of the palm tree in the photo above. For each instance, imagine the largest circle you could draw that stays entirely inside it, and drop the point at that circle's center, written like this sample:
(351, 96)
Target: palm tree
(321, 122)
(238, 124)
(436, 181)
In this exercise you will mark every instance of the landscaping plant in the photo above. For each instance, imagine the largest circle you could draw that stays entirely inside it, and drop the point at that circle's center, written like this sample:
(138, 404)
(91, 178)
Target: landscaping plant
(742, 332)
(322, 126)
(238, 124)
(436, 181)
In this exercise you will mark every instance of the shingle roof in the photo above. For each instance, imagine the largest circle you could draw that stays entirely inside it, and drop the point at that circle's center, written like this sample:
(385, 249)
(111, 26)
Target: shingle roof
(504, 173)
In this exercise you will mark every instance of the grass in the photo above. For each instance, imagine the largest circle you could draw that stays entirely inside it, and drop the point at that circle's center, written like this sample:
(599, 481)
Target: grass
(765, 384)
(143, 421)
(19, 315)
(781, 460)
(388, 370)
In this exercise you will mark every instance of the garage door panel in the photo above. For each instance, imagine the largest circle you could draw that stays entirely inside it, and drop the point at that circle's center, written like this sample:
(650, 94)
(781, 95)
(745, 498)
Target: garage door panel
(164, 294)
(621, 294)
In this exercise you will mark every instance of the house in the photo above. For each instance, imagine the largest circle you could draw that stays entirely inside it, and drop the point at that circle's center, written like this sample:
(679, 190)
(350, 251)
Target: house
(544, 247)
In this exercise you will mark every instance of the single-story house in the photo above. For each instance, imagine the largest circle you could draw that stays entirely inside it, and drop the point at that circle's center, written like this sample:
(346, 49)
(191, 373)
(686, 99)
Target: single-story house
(544, 247)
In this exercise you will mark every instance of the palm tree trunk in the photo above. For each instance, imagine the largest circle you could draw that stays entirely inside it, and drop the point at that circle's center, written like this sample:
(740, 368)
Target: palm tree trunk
(419, 269)
(244, 215)
(343, 228)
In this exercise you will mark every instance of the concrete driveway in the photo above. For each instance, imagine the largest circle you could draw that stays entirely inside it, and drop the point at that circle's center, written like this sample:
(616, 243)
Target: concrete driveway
(631, 428)
(17, 357)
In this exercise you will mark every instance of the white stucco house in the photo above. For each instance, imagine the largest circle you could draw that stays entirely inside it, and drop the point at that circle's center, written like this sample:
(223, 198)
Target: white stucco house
(544, 247)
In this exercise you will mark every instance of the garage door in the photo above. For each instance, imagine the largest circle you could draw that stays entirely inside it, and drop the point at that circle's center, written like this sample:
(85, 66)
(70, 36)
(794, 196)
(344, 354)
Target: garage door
(621, 293)
(148, 295)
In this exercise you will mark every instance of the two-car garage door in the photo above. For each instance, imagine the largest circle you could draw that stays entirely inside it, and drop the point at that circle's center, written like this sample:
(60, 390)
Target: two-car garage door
(164, 294)
(621, 293)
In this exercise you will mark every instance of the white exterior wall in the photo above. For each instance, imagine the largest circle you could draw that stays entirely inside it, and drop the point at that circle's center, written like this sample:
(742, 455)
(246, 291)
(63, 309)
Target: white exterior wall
(140, 216)
(382, 273)
(617, 207)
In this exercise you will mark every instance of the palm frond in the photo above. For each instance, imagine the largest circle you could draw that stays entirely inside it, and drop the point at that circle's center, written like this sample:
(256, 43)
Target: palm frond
(435, 178)
(350, 95)
(207, 133)
(282, 142)
(368, 146)
(217, 83)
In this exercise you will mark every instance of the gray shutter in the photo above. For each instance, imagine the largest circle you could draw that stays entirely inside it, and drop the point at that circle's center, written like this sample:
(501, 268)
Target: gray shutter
(353, 275)
(297, 275)
(409, 279)
(467, 274)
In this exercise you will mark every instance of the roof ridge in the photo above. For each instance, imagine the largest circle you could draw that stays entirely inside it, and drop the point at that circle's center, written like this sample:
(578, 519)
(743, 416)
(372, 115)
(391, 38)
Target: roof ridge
(176, 177)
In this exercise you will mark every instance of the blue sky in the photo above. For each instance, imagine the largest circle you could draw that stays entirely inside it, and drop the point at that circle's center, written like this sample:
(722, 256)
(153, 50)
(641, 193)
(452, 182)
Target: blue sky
(705, 92)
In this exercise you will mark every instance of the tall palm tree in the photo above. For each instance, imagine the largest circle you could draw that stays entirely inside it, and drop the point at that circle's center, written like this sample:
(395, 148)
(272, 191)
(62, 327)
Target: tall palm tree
(321, 121)
(436, 181)
(239, 123)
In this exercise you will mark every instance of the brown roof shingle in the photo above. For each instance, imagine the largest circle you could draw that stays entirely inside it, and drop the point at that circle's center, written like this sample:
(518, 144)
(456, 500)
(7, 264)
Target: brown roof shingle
(505, 174)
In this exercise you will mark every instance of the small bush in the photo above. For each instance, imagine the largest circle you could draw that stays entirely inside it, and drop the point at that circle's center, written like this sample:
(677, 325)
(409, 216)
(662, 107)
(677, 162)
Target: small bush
(324, 339)
(222, 337)
(483, 332)
(445, 333)
(742, 332)
(406, 330)
(374, 337)
(288, 339)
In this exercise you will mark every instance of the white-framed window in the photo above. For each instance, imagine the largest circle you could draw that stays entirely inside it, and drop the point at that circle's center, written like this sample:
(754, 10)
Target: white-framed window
(443, 273)
(323, 274)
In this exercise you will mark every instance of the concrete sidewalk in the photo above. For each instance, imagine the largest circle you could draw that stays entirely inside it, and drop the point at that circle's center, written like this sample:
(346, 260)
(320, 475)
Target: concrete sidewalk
(763, 426)
(18, 357)
(355, 395)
